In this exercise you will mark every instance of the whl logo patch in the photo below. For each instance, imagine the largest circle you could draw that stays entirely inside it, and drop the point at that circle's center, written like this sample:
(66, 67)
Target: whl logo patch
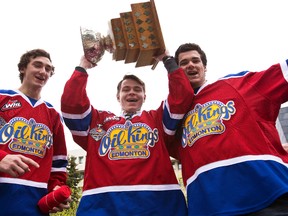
(11, 104)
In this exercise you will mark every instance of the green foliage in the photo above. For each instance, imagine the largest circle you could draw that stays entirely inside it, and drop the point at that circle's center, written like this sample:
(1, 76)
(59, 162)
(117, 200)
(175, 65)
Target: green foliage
(74, 177)
(67, 212)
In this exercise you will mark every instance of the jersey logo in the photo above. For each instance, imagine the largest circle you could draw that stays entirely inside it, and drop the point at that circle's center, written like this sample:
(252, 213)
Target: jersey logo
(111, 118)
(28, 137)
(11, 104)
(206, 119)
(97, 133)
(128, 141)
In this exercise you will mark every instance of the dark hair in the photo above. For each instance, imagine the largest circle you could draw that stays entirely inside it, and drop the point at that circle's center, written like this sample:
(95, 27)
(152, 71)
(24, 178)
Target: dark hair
(132, 77)
(188, 47)
(32, 54)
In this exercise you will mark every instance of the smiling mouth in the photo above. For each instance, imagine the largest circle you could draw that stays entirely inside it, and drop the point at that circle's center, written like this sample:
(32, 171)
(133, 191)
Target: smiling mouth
(192, 73)
(132, 100)
(40, 78)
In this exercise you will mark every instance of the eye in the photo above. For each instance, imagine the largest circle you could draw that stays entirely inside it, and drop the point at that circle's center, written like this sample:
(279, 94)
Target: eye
(37, 65)
(125, 89)
(49, 69)
(184, 62)
(195, 60)
(137, 89)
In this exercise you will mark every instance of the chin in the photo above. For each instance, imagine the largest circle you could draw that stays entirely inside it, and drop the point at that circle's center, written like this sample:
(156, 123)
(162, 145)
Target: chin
(132, 110)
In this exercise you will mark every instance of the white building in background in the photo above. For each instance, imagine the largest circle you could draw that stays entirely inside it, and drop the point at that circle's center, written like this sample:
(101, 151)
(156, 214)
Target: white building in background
(280, 131)
(80, 156)
(282, 124)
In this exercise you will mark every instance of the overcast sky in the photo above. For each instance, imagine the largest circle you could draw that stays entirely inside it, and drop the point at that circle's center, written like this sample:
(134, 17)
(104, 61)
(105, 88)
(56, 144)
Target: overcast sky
(236, 36)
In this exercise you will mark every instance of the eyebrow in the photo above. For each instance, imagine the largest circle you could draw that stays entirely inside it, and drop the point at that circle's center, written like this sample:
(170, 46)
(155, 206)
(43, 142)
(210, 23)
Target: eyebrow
(40, 62)
(187, 59)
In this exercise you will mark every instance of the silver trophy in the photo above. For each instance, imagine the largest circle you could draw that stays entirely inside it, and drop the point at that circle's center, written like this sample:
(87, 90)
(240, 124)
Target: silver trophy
(95, 45)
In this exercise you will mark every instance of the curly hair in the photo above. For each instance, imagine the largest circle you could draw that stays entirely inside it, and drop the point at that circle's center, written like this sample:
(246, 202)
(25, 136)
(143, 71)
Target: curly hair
(32, 54)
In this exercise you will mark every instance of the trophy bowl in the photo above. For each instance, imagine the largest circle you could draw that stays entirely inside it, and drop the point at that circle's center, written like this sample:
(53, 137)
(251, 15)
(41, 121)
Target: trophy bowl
(95, 45)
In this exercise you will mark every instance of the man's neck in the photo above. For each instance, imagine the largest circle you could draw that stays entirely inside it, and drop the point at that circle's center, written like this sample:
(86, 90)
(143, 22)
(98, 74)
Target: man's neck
(32, 93)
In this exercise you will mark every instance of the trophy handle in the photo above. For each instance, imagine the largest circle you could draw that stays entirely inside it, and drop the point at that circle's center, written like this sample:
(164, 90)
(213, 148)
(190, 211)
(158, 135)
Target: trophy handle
(155, 64)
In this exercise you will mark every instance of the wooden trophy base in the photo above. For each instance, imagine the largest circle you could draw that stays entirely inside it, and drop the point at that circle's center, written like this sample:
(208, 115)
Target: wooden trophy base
(137, 35)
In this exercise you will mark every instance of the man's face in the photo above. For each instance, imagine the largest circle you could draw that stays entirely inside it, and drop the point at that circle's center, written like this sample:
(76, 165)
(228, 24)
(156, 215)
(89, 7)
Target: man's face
(131, 96)
(37, 72)
(193, 66)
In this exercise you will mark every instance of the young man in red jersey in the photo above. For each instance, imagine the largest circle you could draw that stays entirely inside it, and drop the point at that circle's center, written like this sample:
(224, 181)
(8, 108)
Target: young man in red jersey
(232, 159)
(128, 169)
(33, 155)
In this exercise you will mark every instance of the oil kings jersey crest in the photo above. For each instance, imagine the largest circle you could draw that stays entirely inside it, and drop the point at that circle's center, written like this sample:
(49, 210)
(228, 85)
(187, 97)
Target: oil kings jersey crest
(26, 136)
(128, 141)
(205, 120)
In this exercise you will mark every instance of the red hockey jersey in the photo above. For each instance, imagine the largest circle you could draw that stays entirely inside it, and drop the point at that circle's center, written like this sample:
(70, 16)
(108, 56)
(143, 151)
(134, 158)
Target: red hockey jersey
(35, 131)
(233, 162)
(128, 170)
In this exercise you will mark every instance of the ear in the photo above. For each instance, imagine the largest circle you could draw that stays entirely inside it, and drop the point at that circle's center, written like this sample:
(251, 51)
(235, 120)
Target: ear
(118, 97)
(144, 97)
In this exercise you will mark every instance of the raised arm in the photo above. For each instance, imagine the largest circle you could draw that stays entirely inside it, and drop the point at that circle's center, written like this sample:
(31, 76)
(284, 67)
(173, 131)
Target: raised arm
(75, 104)
(180, 96)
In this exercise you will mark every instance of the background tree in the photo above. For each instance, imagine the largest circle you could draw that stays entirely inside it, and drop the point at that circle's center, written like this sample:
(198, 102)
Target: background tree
(74, 177)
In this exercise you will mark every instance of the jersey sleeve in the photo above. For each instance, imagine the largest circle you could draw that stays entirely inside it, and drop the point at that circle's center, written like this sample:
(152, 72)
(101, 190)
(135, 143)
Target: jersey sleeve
(178, 102)
(76, 108)
(272, 83)
(58, 174)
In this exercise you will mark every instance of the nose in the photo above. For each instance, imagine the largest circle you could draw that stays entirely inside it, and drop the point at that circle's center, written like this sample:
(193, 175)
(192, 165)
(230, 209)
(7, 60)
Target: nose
(190, 63)
(43, 69)
(132, 92)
